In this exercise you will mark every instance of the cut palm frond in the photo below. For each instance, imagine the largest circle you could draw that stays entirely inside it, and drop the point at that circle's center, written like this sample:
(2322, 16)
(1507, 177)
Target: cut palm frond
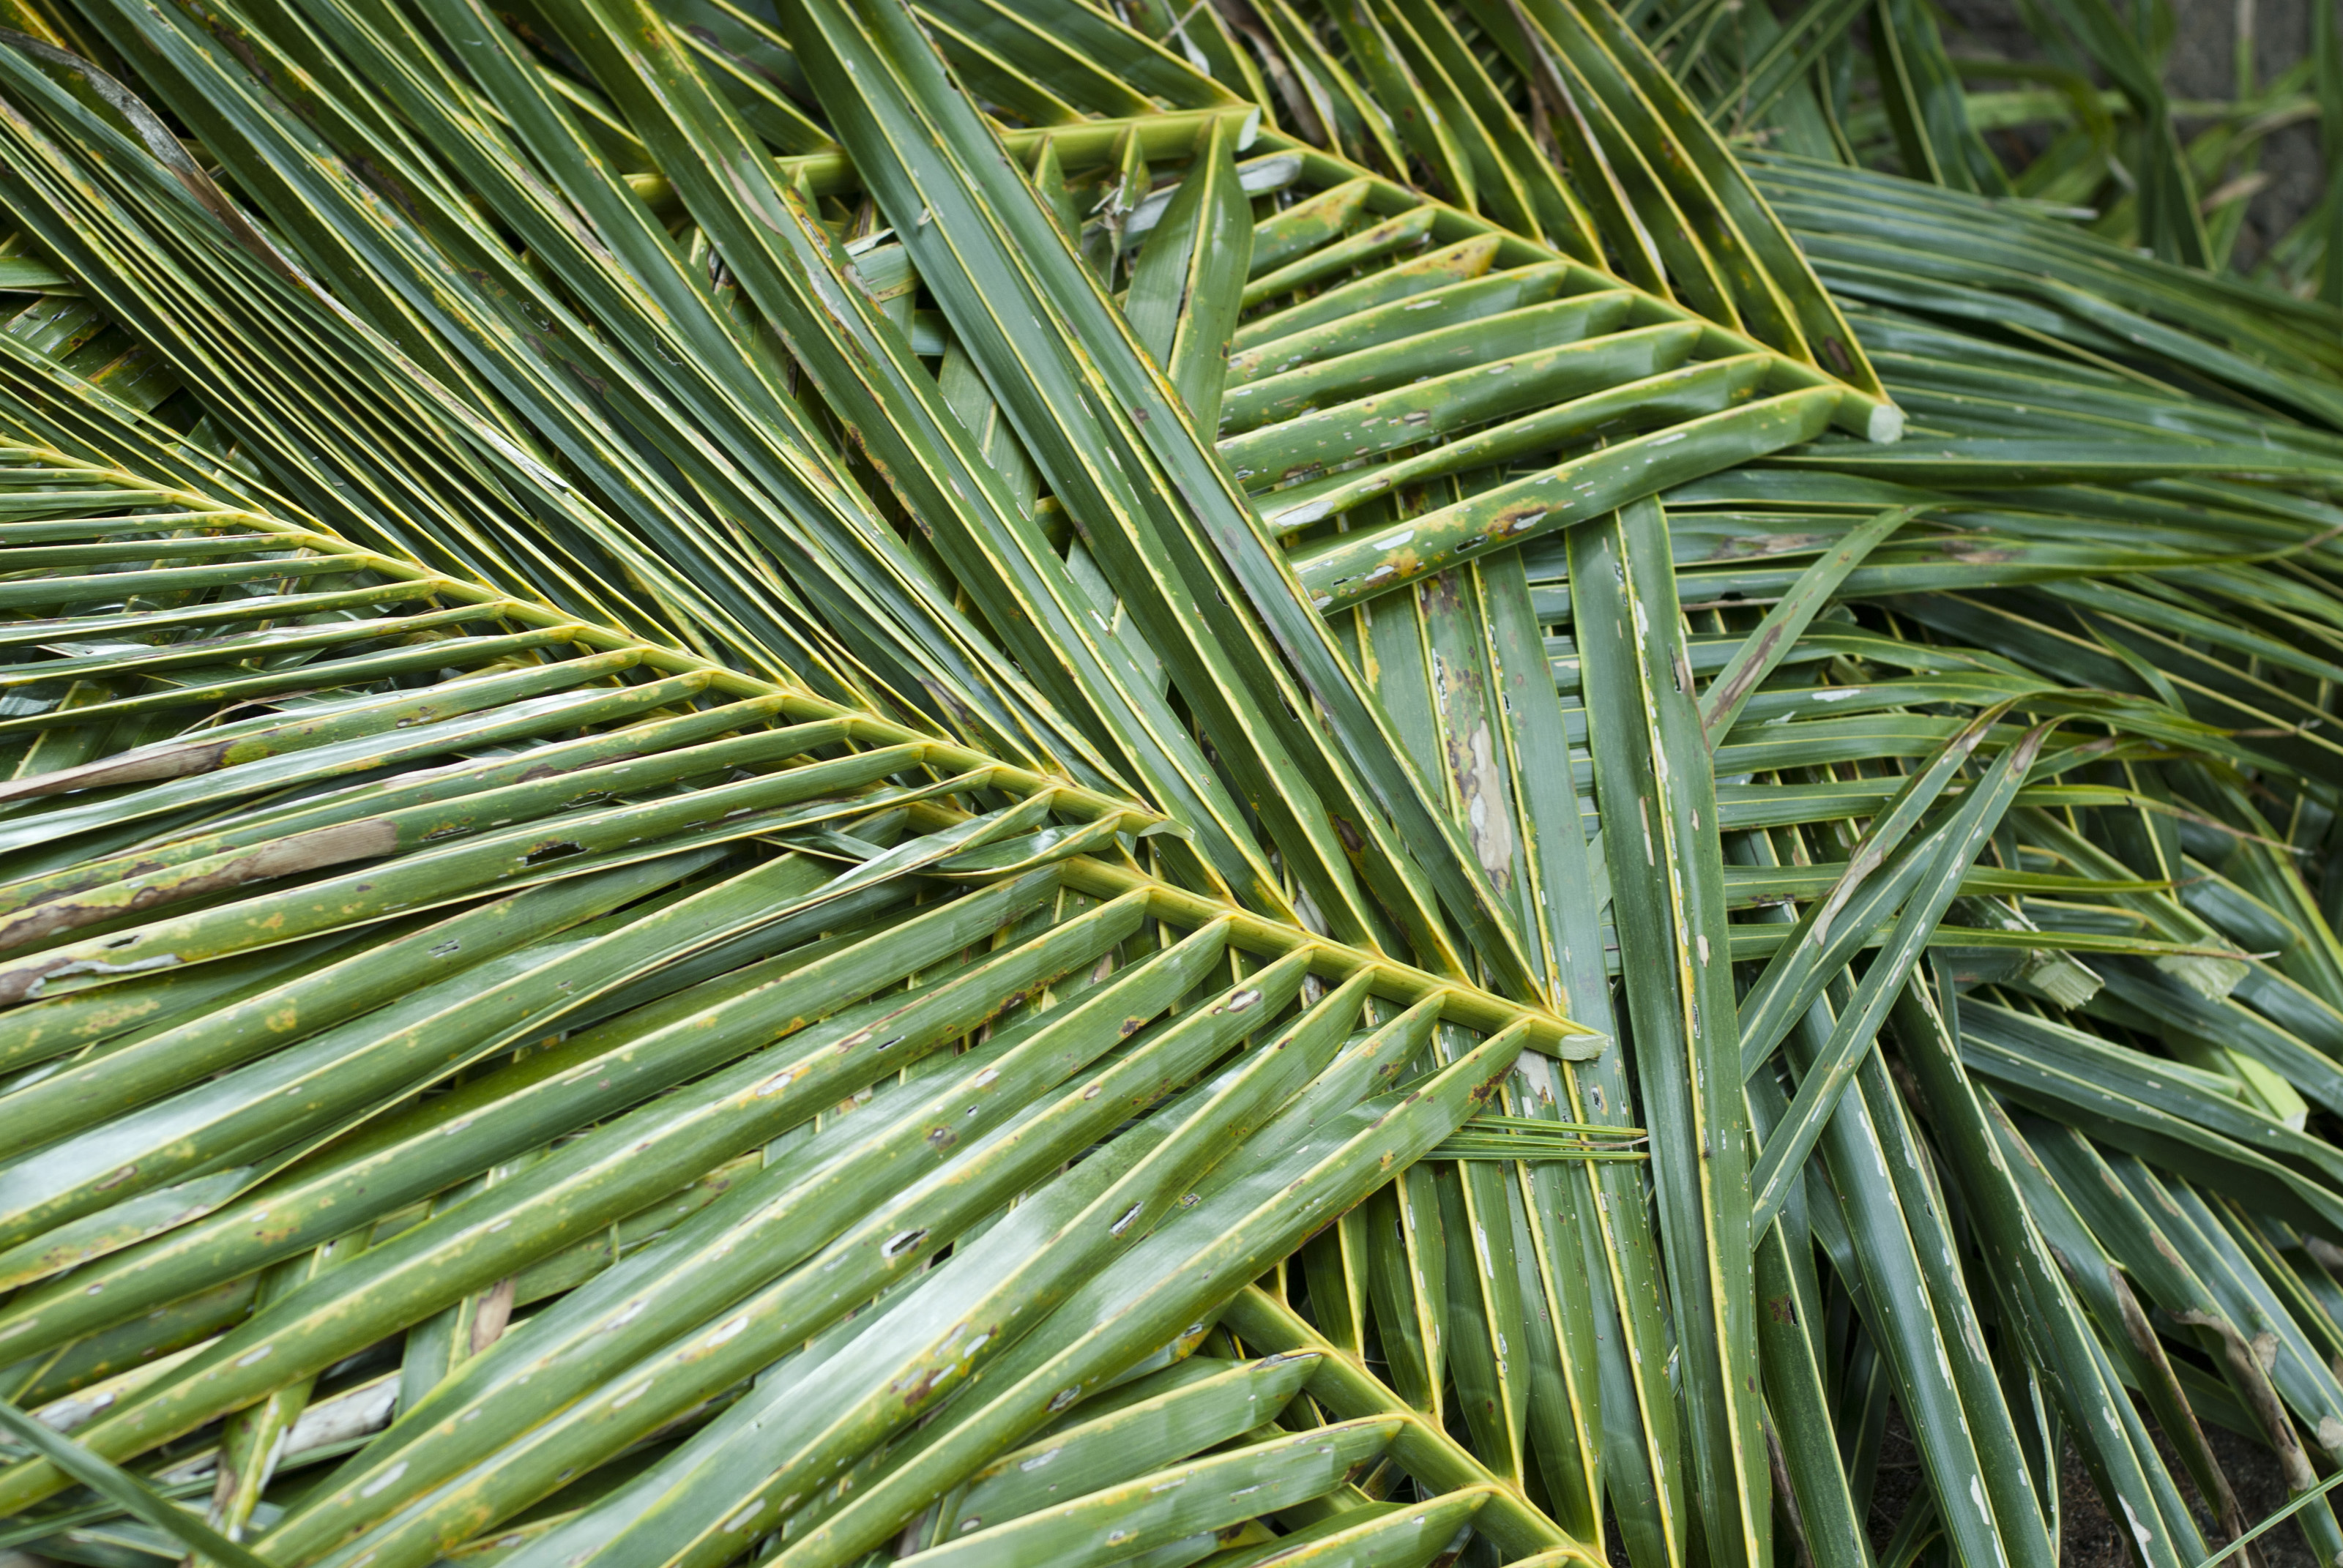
(984, 783)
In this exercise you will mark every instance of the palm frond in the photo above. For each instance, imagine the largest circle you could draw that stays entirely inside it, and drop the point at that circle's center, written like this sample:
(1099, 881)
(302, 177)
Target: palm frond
(986, 783)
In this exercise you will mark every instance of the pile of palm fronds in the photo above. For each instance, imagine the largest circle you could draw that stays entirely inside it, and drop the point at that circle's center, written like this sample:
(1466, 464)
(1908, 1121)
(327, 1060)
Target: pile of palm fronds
(1020, 782)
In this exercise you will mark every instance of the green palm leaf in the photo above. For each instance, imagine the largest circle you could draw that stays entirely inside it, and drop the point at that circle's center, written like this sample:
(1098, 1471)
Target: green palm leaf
(987, 783)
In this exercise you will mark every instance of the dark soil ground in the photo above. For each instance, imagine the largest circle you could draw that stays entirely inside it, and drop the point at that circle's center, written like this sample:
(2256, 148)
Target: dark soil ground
(2088, 1537)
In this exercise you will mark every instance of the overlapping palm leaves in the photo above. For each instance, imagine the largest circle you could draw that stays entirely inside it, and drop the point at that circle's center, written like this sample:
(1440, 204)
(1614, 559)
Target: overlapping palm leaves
(827, 781)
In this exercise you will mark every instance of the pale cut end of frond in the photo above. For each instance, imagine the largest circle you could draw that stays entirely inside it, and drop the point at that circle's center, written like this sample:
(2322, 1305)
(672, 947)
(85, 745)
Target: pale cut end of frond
(2213, 977)
(1259, 176)
(2062, 980)
(1885, 424)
